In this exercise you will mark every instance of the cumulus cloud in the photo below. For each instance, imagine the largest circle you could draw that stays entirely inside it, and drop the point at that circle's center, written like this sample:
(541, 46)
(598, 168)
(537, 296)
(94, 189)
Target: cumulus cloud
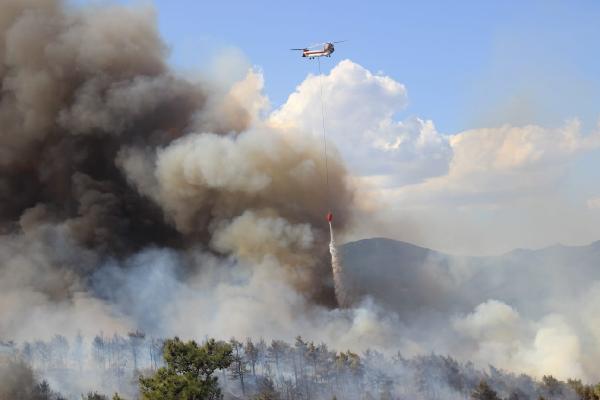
(505, 182)
(511, 158)
(360, 109)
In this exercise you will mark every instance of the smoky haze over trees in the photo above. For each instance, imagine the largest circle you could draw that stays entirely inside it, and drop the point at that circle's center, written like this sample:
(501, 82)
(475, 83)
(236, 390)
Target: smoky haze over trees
(301, 370)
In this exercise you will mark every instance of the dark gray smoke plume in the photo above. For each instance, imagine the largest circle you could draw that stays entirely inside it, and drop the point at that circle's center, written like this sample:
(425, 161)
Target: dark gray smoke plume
(104, 152)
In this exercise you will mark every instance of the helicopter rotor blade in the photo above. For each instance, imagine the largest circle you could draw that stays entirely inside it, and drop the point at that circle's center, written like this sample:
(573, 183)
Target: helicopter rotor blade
(318, 45)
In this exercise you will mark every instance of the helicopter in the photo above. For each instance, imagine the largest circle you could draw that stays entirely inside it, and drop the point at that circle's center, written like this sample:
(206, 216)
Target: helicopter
(326, 51)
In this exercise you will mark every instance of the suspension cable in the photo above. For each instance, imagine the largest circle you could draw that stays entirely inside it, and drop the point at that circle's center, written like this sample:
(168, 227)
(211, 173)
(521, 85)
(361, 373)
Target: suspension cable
(324, 137)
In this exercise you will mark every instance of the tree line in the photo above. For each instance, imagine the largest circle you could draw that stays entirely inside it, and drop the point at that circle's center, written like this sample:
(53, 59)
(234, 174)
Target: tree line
(137, 366)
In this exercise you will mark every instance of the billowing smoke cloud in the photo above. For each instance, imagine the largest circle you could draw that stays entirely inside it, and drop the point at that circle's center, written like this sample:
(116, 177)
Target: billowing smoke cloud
(105, 152)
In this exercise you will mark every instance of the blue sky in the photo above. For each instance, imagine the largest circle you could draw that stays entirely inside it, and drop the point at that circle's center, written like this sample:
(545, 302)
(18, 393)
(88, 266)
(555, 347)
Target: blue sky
(465, 64)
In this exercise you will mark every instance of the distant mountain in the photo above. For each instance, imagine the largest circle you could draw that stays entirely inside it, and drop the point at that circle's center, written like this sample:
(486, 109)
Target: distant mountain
(411, 279)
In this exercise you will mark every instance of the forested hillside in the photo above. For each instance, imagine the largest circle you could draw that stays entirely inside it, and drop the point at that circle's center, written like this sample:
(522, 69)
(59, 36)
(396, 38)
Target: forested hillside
(302, 370)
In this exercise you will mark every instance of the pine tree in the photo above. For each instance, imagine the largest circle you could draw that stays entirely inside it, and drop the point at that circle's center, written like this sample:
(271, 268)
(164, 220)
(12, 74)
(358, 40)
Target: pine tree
(135, 342)
(188, 374)
(238, 367)
(251, 352)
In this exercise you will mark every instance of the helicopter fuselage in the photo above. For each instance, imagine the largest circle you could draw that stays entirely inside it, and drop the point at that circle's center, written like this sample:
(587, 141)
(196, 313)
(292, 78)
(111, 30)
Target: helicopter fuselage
(324, 52)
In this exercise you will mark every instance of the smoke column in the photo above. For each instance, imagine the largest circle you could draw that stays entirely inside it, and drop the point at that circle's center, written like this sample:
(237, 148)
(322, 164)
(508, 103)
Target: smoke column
(338, 271)
(106, 152)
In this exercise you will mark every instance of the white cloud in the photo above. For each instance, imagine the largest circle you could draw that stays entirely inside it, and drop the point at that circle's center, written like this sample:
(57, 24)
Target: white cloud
(517, 148)
(489, 164)
(506, 187)
(410, 155)
(360, 107)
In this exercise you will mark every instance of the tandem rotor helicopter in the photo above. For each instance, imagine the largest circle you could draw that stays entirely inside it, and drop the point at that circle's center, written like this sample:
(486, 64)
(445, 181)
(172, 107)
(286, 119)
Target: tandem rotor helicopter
(325, 51)
(316, 51)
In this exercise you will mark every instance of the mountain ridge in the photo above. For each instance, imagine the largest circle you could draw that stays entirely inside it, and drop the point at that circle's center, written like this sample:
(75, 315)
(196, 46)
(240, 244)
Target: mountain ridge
(409, 278)
(595, 245)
